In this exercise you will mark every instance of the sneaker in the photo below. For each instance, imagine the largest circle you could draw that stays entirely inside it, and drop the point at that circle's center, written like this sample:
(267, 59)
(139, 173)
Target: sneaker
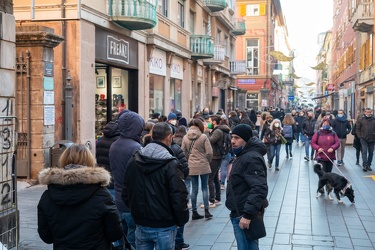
(222, 187)
(269, 165)
(212, 205)
(364, 167)
(287, 156)
(306, 158)
(217, 203)
(369, 168)
(277, 168)
(182, 246)
(291, 156)
(339, 163)
(357, 163)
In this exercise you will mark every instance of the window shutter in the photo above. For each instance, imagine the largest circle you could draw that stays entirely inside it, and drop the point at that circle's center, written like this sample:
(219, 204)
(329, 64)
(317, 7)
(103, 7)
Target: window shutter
(262, 9)
(242, 10)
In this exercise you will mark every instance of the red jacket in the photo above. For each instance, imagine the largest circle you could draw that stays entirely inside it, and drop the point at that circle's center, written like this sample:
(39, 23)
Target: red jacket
(325, 139)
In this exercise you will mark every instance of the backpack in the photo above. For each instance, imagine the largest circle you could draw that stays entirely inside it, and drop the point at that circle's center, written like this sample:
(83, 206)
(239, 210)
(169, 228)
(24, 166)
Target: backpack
(288, 131)
(226, 147)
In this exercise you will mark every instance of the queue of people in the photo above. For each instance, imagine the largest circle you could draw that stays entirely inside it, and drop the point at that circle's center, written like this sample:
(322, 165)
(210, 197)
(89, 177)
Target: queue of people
(150, 174)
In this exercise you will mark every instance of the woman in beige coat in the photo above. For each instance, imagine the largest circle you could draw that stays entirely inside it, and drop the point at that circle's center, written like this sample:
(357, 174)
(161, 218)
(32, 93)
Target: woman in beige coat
(198, 151)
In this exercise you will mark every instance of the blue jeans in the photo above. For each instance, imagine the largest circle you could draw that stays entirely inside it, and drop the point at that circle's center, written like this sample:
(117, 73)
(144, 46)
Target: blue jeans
(242, 242)
(128, 227)
(307, 147)
(224, 168)
(367, 147)
(150, 238)
(188, 184)
(288, 148)
(275, 150)
(194, 192)
(180, 236)
(300, 135)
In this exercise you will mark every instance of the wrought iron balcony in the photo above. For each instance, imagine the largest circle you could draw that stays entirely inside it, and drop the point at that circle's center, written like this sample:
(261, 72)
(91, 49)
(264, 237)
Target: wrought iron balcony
(201, 46)
(215, 5)
(237, 67)
(363, 17)
(219, 56)
(240, 29)
(133, 15)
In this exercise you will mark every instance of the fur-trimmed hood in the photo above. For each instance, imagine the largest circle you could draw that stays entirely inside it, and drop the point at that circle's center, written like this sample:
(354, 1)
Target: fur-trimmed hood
(73, 184)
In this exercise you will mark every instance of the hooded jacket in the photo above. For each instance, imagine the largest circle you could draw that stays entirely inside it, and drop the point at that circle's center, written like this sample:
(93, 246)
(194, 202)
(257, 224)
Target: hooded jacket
(130, 126)
(341, 126)
(365, 128)
(273, 134)
(111, 134)
(153, 189)
(325, 139)
(216, 137)
(200, 155)
(247, 185)
(77, 211)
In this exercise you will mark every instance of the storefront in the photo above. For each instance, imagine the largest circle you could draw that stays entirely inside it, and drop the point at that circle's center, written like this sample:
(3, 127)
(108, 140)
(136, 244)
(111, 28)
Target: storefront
(252, 101)
(116, 83)
(177, 75)
(158, 72)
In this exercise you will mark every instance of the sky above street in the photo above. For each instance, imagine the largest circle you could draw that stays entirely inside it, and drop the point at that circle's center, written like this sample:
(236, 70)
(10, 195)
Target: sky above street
(305, 19)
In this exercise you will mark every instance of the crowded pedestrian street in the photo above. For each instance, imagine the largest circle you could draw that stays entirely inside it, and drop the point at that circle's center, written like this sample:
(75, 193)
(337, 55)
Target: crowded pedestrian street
(295, 218)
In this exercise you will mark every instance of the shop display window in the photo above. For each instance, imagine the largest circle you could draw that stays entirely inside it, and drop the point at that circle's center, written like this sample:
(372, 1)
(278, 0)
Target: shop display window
(111, 96)
(156, 94)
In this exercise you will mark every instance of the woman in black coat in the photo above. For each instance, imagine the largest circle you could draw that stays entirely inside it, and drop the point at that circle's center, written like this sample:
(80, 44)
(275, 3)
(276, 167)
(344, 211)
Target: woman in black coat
(77, 211)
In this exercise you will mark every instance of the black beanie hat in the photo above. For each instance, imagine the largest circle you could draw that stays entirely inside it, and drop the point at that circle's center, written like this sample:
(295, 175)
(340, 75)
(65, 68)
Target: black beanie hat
(244, 131)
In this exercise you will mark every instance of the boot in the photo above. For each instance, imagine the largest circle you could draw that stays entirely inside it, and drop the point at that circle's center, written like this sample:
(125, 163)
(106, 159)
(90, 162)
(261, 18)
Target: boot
(207, 214)
(196, 216)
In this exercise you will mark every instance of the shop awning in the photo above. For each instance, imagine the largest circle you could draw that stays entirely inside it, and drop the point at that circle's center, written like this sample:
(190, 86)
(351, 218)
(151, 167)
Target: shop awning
(323, 96)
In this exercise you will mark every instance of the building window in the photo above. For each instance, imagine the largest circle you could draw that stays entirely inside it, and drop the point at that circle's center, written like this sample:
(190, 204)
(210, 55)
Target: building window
(218, 37)
(192, 22)
(227, 47)
(164, 7)
(181, 14)
(204, 28)
(252, 57)
(252, 10)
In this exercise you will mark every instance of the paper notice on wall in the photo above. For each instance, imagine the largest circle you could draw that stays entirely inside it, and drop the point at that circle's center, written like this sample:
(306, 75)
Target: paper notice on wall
(49, 115)
(48, 97)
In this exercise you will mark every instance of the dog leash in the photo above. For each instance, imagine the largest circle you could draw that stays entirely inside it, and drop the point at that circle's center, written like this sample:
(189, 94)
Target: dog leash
(334, 164)
(347, 185)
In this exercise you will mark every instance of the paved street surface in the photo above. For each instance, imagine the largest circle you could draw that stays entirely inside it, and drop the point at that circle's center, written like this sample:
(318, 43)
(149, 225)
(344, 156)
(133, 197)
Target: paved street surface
(295, 219)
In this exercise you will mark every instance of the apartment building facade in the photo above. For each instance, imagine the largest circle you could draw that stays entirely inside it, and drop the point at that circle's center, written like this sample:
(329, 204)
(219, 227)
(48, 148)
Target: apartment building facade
(266, 32)
(96, 58)
(352, 69)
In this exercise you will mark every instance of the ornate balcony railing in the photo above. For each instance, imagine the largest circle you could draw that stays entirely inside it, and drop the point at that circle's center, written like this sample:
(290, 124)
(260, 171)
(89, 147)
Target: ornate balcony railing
(237, 67)
(215, 5)
(201, 46)
(363, 17)
(240, 29)
(133, 14)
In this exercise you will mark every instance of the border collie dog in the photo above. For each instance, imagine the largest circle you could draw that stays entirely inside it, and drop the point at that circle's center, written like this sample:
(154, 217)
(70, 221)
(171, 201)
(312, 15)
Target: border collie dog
(333, 181)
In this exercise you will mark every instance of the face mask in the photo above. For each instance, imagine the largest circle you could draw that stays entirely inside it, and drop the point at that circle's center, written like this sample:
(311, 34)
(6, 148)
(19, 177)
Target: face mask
(269, 121)
(174, 122)
(368, 115)
(238, 150)
(326, 127)
(340, 115)
(277, 125)
(310, 117)
(209, 125)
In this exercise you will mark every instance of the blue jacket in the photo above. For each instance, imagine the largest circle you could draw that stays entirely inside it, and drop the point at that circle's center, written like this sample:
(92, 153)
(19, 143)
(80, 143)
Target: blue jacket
(130, 125)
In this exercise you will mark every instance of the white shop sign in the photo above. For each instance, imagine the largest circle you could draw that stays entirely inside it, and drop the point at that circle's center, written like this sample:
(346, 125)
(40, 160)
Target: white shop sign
(177, 70)
(158, 64)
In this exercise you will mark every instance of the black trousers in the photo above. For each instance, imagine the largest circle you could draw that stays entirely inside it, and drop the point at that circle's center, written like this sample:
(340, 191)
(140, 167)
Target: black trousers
(327, 165)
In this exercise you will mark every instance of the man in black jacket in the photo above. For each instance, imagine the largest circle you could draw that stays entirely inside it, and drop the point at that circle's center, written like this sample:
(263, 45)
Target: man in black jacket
(365, 129)
(247, 186)
(342, 127)
(155, 193)
(308, 129)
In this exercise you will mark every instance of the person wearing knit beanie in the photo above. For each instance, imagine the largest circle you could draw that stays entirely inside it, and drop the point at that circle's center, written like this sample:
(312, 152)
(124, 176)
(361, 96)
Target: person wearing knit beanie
(244, 131)
(172, 118)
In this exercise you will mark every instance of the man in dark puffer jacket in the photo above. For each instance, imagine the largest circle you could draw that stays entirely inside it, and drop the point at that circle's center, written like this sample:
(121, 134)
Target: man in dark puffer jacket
(365, 129)
(247, 186)
(155, 193)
